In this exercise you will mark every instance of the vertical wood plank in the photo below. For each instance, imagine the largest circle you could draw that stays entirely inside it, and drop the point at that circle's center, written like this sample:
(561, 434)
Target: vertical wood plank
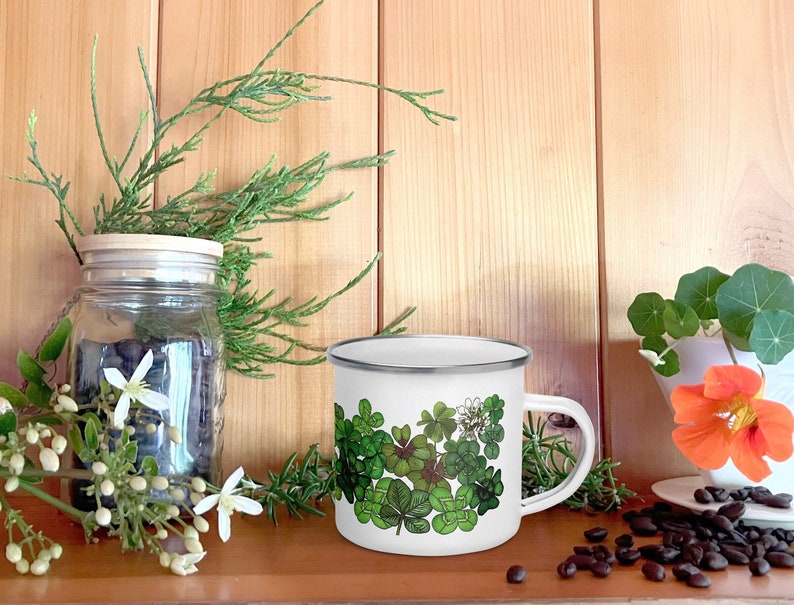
(698, 148)
(46, 57)
(489, 225)
(206, 41)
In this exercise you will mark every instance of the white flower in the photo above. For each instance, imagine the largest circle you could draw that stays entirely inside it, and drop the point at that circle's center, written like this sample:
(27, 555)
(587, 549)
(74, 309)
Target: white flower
(183, 565)
(16, 463)
(652, 357)
(49, 460)
(39, 567)
(134, 390)
(99, 468)
(228, 502)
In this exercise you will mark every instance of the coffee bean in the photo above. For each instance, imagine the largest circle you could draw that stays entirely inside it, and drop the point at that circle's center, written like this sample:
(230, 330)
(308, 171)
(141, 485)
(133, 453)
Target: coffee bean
(595, 534)
(692, 554)
(735, 556)
(732, 510)
(603, 553)
(566, 569)
(642, 525)
(713, 561)
(703, 496)
(720, 494)
(653, 571)
(583, 550)
(601, 569)
(683, 571)
(780, 559)
(626, 555)
(777, 501)
(698, 580)
(624, 540)
(759, 567)
(516, 574)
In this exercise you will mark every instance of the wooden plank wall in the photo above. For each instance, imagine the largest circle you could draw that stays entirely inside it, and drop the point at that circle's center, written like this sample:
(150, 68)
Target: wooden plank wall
(602, 148)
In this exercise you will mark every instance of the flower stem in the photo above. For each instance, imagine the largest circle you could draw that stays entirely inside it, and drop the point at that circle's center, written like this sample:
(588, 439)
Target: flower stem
(52, 500)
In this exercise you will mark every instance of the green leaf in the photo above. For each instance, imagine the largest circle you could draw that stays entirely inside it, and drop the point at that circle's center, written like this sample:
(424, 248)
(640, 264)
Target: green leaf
(646, 314)
(39, 394)
(75, 437)
(15, 397)
(8, 423)
(52, 347)
(699, 290)
(92, 434)
(772, 337)
(680, 320)
(417, 526)
(752, 289)
(671, 365)
(149, 466)
(29, 367)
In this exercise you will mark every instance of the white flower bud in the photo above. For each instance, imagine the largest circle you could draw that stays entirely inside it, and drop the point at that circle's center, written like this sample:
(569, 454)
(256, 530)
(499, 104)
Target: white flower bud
(198, 484)
(5, 406)
(130, 430)
(49, 460)
(162, 534)
(44, 554)
(160, 483)
(23, 566)
(177, 494)
(195, 498)
(173, 511)
(652, 357)
(103, 516)
(13, 552)
(175, 435)
(39, 567)
(193, 545)
(201, 524)
(45, 433)
(59, 444)
(107, 487)
(138, 483)
(165, 559)
(32, 435)
(56, 550)
(65, 388)
(16, 463)
(191, 532)
(99, 468)
(67, 403)
(150, 428)
(12, 483)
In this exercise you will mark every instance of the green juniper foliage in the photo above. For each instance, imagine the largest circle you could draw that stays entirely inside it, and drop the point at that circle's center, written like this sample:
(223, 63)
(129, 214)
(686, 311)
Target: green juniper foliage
(257, 328)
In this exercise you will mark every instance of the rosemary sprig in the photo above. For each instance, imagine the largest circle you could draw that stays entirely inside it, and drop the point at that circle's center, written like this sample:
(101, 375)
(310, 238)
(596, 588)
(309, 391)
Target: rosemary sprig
(547, 459)
(257, 327)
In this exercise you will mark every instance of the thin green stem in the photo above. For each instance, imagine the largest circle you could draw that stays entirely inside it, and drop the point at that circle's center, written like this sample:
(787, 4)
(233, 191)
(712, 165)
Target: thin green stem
(52, 500)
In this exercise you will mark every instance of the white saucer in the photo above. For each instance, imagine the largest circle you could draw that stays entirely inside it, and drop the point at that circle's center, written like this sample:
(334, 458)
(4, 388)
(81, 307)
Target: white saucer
(681, 491)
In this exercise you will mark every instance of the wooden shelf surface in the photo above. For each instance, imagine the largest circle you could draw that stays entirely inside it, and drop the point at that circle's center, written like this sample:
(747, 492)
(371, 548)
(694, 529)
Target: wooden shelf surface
(306, 560)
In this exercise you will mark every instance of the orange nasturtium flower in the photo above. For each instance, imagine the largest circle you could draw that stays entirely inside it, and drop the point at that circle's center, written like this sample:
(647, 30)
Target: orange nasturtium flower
(727, 417)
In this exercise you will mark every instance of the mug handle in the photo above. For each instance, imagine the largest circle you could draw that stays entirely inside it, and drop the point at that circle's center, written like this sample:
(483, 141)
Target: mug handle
(563, 405)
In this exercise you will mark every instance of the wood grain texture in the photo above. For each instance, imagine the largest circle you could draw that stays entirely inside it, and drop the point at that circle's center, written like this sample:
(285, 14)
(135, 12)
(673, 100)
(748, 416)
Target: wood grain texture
(203, 42)
(46, 57)
(308, 561)
(697, 103)
(489, 225)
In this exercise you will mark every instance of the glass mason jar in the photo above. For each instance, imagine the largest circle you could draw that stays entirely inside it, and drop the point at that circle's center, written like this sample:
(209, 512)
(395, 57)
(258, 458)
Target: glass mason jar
(155, 293)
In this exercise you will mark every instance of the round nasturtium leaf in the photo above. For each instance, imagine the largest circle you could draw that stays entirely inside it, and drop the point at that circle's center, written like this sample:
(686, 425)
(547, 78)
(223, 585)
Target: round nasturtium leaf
(772, 337)
(752, 289)
(680, 320)
(699, 290)
(646, 314)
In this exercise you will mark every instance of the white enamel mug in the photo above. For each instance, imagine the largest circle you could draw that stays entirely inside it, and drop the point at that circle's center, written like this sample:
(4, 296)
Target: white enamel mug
(428, 441)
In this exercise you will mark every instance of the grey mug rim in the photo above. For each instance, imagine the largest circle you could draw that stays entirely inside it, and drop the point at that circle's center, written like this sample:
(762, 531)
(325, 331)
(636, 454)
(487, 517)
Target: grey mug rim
(338, 360)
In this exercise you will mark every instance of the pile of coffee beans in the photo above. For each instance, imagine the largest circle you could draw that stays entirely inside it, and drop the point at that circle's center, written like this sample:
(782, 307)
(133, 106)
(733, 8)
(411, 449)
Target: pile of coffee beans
(752, 493)
(691, 543)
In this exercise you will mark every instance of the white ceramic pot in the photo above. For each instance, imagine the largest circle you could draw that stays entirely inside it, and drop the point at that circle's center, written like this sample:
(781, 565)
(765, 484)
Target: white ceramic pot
(696, 356)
